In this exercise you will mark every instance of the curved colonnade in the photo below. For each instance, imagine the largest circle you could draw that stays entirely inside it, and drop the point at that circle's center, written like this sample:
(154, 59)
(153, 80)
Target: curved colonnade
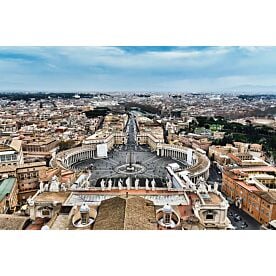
(198, 163)
(65, 159)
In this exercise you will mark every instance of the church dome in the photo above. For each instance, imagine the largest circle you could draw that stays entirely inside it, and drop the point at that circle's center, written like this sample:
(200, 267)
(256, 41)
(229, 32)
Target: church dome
(45, 227)
(84, 208)
(167, 208)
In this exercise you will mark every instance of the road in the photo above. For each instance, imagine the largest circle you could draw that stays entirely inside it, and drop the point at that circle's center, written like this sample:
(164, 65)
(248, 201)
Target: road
(214, 175)
(252, 223)
(131, 131)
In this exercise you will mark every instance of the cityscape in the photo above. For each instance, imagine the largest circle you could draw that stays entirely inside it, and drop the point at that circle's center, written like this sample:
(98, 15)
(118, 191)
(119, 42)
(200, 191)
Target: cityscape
(193, 157)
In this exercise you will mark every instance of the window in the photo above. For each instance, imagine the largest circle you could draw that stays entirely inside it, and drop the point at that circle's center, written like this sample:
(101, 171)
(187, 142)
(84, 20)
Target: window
(210, 216)
(167, 219)
(45, 212)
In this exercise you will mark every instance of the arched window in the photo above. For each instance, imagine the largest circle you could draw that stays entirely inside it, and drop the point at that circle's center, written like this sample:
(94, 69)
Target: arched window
(167, 218)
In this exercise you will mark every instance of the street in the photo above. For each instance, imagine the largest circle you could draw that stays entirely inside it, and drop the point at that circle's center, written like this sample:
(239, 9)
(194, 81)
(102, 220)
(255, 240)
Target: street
(239, 218)
(251, 223)
(214, 175)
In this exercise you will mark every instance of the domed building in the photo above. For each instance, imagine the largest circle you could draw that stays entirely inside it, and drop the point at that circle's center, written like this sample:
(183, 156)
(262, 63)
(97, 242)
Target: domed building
(167, 218)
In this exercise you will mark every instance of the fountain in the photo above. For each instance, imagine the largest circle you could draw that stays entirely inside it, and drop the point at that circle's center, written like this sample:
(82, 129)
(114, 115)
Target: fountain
(130, 168)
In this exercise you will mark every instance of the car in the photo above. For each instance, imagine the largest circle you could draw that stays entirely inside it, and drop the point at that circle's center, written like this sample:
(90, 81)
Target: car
(237, 218)
(243, 226)
(231, 227)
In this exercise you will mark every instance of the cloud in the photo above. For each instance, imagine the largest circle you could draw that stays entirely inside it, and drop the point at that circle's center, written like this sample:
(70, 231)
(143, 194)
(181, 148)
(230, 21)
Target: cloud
(132, 68)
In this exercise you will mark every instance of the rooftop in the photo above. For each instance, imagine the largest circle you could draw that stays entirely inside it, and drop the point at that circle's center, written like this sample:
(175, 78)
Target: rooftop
(247, 186)
(12, 168)
(52, 196)
(134, 213)
(6, 186)
(12, 222)
(269, 196)
(258, 169)
(213, 198)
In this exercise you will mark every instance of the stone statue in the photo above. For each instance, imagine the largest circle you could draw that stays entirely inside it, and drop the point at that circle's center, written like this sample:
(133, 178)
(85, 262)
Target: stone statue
(120, 184)
(74, 186)
(62, 187)
(128, 183)
(216, 186)
(147, 184)
(30, 201)
(102, 184)
(46, 187)
(169, 184)
(41, 186)
(109, 184)
(153, 184)
(54, 184)
(136, 183)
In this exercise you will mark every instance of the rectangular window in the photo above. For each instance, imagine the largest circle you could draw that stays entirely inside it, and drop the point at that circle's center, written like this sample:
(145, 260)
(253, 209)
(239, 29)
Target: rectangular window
(45, 212)
(210, 216)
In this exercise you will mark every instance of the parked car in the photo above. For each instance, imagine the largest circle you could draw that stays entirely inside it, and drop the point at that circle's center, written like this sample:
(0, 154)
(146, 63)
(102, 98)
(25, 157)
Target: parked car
(237, 218)
(243, 226)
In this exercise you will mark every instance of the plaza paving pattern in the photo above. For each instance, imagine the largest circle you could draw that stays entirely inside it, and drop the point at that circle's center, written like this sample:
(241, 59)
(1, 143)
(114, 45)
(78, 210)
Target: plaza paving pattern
(155, 166)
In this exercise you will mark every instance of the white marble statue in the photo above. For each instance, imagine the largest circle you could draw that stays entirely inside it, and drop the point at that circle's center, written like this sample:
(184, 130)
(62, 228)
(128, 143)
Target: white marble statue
(128, 183)
(62, 187)
(109, 184)
(102, 184)
(30, 201)
(153, 184)
(46, 187)
(136, 183)
(41, 186)
(74, 186)
(54, 187)
(215, 186)
(120, 184)
(147, 184)
(202, 188)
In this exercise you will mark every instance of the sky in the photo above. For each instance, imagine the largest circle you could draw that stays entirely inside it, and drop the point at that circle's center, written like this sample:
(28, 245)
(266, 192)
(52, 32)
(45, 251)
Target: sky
(167, 69)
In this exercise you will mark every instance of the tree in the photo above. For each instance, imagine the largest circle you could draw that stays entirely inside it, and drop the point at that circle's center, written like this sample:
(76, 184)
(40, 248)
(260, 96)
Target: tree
(64, 145)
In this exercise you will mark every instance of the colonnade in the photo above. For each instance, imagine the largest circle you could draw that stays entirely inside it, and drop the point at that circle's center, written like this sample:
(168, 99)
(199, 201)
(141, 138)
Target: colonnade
(197, 160)
(176, 154)
(195, 178)
(79, 156)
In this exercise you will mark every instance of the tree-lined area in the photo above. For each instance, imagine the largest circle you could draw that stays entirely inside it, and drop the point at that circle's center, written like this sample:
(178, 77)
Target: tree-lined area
(237, 132)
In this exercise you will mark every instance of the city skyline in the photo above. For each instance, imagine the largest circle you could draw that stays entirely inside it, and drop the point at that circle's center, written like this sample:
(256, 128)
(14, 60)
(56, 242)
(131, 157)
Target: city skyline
(170, 69)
